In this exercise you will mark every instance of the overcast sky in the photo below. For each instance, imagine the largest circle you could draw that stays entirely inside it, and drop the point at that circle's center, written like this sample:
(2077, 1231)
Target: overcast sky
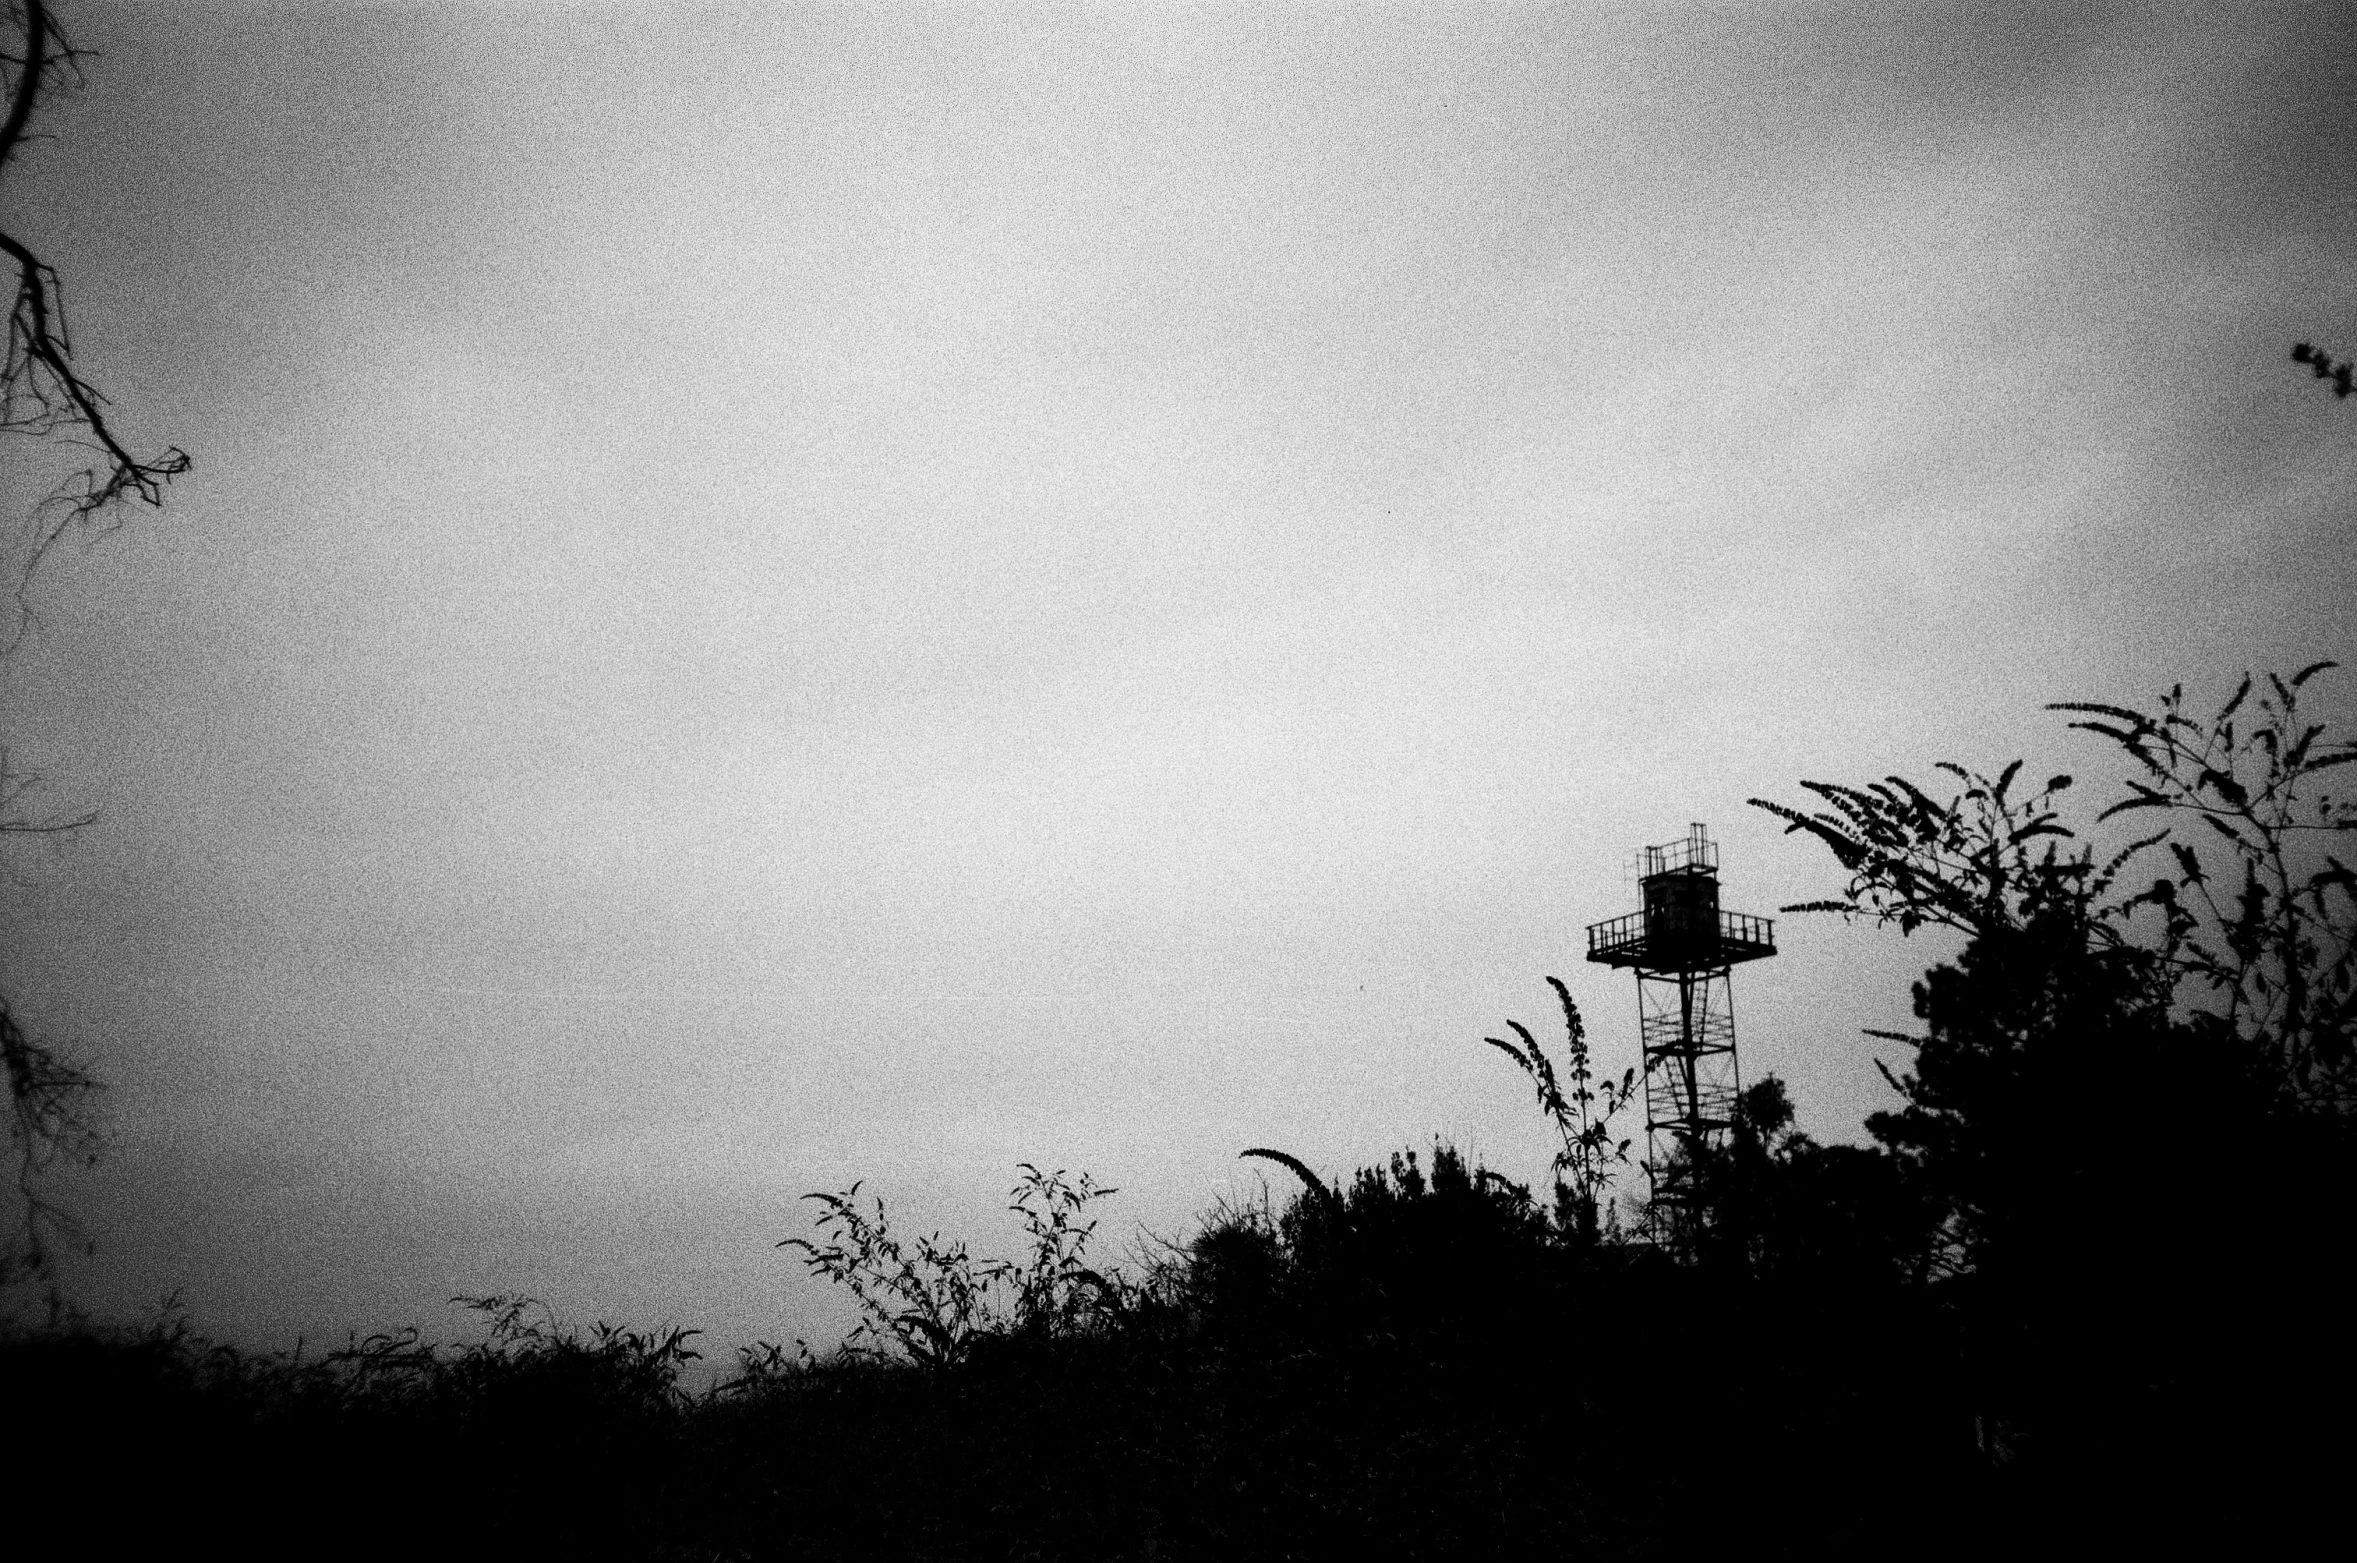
(799, 593)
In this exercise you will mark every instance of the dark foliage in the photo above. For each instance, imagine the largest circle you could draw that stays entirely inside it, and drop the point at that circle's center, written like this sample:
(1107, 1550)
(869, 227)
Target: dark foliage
(1582, 1117)
(2124, 1167)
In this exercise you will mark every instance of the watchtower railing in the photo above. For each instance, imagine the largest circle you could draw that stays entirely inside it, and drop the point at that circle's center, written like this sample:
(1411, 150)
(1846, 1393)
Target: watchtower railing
(1694, 850)
(1739, 933)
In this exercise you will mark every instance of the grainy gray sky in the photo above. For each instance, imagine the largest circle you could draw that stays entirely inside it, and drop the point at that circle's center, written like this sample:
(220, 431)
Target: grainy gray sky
(797, 593)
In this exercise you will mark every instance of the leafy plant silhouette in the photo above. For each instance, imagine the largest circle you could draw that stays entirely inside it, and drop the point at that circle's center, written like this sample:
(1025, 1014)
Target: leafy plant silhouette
(1056, 1290)
(1313, 1186)
(935, 1301)
(1582, 1118)
(2268, 951)
(2272, 942)
(1972, 863)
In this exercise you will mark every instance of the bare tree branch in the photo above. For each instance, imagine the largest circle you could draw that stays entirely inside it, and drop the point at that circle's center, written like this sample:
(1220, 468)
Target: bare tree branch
(43, 396)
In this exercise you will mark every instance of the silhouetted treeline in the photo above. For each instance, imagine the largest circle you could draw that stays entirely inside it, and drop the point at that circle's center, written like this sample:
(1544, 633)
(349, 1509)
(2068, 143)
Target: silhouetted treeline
(2084, 1288)
(1425, 1367)
(1419, 1369)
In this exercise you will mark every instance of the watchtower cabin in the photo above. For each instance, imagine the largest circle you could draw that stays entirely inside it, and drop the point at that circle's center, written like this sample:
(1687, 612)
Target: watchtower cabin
(1683, 947)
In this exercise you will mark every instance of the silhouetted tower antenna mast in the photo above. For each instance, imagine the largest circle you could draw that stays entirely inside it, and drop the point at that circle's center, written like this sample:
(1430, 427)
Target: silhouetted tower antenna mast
(1683, 948)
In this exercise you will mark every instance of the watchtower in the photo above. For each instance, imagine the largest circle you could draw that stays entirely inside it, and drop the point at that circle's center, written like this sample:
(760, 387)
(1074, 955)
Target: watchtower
(1683, 948)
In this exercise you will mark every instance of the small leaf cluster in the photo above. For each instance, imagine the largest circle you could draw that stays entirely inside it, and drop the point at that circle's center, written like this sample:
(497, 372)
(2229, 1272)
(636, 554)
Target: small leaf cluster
(2321, 361)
